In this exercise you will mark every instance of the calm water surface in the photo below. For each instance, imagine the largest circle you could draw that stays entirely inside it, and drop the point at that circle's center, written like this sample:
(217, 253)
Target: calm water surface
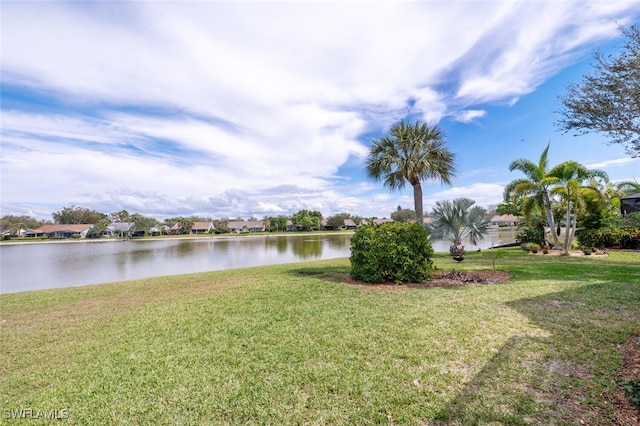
(47, 265)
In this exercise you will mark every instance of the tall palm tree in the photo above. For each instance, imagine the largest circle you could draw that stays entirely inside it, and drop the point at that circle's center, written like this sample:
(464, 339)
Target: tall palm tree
(411, 152)
(570, 186)
(535, 187)
(456, 220)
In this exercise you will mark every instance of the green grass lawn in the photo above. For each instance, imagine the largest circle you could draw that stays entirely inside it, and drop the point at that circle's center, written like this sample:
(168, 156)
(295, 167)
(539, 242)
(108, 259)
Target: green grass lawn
(292, 344)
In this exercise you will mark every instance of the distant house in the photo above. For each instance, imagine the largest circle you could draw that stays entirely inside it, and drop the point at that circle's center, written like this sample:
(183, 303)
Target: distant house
(238, 226)
(159, 230)
(176, 229)
(119, 229)
(292, 226)
(324, 225)
(504, 220)
(63, 230)
(201, 227)
(349, 224)
(26, 233)
(630, 204)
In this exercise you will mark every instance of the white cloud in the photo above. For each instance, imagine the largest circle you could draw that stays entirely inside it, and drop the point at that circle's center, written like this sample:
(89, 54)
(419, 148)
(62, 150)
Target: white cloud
(484, 194)
(226, 108)
(611, 163)
(469, 115)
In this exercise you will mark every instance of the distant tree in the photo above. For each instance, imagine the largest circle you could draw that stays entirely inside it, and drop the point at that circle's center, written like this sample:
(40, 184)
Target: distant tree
(142, 224)
(277, 223)
(122, 216)
(357, 219)
(403, 215)
(411, 153)
(200, 219)
(76, 215)
(307, 219)
(608, 100)
(221, 226)
(456, 220)
(337, 220)
(508, 208)
(12, 224)
(99, 227)
(533, 190)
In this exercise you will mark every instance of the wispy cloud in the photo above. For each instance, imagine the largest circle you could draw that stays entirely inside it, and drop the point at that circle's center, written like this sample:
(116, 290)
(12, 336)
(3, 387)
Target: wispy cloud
(252, 107)
(611, 163)
(469, 115)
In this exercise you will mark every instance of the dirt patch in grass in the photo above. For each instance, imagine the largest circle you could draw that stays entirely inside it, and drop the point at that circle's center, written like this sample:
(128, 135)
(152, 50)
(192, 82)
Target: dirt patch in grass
(571, 253)
(440, 278)
(627, 413)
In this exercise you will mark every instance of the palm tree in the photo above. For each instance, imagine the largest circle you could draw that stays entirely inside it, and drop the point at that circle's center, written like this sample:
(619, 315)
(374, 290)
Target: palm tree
(629, 187)
(456, 220)
(411, 152)
(535, 187)
(570, 187)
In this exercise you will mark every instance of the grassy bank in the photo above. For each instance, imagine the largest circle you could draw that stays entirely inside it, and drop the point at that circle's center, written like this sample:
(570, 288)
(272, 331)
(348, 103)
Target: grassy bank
(292, 344)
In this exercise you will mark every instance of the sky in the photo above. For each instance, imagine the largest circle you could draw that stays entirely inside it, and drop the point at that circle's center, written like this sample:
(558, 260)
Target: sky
(253, 108)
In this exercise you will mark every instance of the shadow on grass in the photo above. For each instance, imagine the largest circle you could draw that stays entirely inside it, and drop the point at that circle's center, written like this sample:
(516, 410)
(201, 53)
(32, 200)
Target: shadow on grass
(563, 373)
(567, 374)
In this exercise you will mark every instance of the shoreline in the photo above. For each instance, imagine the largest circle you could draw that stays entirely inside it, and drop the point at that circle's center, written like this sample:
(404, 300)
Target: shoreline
(199, 237)
(27, 241)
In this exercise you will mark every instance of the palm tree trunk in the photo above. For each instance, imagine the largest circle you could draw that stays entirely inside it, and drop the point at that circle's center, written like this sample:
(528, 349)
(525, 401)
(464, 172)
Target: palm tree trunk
(567, 228)
(573, 228)
(550, 219)
(417, 202)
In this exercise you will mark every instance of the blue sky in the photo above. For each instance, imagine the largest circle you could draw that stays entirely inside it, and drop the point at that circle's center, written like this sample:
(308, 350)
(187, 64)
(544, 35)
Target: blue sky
(227, 109)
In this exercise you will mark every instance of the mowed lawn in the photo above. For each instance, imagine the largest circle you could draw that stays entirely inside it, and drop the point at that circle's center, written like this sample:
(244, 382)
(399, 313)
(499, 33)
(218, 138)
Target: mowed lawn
(295, 344)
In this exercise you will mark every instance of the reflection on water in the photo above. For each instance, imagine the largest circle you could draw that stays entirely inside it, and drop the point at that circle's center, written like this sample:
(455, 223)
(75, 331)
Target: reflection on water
(39, 266)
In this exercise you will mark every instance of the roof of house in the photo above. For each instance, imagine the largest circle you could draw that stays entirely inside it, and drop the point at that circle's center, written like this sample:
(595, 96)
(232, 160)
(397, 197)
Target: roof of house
(239, 224)
(121, 226)
(382, 220)
(505, 218)
(349, 222)
(50, 229)
(631, 196)
(201, 225)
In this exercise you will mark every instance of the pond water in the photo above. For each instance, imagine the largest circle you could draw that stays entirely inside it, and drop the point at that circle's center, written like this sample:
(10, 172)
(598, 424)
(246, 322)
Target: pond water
(39, 266)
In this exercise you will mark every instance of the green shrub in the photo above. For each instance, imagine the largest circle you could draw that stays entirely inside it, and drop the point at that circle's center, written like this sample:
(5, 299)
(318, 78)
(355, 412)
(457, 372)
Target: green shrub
(526, 246)
(632, 391)
(532, 247)
(609, 237)
(530, 234)
(395, 251)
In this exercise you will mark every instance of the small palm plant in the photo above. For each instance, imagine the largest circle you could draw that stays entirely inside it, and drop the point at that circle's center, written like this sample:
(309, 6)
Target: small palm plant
(456, 220)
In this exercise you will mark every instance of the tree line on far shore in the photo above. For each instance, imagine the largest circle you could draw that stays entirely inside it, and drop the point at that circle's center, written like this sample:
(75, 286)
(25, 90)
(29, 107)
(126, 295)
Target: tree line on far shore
(304, 219)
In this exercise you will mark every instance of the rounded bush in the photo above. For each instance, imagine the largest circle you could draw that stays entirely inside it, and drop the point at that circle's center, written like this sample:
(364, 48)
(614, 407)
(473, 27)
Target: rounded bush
(393, 251)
